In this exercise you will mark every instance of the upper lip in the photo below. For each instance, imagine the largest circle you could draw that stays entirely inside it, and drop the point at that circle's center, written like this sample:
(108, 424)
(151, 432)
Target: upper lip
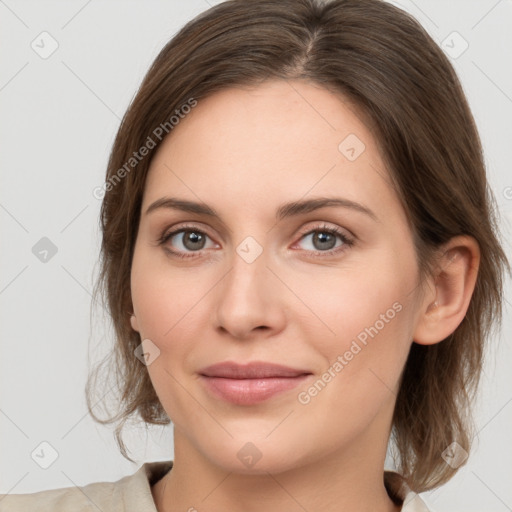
(253, 370)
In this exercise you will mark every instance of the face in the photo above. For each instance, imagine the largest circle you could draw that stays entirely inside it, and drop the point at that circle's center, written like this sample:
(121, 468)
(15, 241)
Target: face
(327, 289)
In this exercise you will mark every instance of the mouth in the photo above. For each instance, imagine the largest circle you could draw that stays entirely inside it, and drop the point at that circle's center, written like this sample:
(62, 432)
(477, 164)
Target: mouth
(251, 383)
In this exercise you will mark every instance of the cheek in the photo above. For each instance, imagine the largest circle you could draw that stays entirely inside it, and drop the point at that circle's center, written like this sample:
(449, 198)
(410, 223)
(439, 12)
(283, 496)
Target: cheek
(361, 372)
(340, 305)
(362, 330)
(165, 300)
(163, 296)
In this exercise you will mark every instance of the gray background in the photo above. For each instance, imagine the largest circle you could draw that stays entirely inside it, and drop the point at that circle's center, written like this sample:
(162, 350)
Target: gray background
(59, 117)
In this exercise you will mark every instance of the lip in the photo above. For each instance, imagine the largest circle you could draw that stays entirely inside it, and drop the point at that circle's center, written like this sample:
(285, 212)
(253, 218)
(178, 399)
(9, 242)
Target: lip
(253, 370)
(252, 383)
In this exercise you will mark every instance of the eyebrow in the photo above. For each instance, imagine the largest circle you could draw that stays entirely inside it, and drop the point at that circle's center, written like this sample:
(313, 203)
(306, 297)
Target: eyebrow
(291, 209)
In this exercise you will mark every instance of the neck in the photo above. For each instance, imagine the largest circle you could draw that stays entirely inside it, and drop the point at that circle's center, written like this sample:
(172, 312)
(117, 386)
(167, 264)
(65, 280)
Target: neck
(351, 480)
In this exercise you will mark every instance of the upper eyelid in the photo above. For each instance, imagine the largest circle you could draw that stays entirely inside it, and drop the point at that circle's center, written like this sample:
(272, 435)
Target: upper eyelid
(179, 229)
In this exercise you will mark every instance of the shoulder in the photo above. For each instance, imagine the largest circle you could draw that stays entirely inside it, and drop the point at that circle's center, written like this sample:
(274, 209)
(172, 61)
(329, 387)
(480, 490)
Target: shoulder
(73, 499)
(129, 494)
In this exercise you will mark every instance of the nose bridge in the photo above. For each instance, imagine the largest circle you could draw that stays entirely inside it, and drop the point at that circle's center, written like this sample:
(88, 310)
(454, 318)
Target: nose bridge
(248, 268)
(246, 298)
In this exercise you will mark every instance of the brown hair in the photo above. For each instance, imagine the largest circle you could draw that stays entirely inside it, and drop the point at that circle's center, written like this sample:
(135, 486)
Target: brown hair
(381, 59)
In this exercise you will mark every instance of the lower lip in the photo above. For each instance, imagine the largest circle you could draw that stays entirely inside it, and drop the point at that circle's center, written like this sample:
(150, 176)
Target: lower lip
(250, 391)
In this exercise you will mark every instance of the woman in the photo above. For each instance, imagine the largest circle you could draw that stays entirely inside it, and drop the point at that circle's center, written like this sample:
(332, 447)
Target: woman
(301, 259)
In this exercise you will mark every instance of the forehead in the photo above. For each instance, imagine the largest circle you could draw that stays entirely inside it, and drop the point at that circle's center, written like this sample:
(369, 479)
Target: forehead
(253, 146)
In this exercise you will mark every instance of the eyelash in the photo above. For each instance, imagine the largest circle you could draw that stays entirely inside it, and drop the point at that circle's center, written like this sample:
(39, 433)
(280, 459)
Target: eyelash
(347, 242)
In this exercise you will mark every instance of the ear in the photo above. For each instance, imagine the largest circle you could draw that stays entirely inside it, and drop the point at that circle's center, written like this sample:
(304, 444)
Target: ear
(454, 283)
(134, 323)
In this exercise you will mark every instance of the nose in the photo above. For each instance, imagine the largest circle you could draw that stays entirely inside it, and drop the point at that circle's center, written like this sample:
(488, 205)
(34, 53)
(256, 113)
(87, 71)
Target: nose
(249, 299)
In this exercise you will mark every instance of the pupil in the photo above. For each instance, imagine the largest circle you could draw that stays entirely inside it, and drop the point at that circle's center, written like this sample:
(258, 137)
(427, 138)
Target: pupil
(193, 238)
(325, 240)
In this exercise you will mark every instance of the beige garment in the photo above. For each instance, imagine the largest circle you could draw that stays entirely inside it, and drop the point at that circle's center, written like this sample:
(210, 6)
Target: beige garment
(133, 494)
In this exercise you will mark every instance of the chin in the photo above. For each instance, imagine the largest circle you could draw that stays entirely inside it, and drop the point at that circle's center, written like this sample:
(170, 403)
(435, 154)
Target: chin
(257, 457)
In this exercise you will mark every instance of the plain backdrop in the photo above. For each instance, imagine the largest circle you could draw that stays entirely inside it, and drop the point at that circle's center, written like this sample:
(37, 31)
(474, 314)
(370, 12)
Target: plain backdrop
(59, 115)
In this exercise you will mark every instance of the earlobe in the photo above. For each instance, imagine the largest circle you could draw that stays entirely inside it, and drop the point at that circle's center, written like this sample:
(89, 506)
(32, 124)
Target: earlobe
(134, 323)
(455, 282)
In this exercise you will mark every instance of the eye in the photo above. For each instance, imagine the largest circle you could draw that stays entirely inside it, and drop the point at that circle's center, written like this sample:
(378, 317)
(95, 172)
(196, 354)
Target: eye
(187, 240)
(323, 240)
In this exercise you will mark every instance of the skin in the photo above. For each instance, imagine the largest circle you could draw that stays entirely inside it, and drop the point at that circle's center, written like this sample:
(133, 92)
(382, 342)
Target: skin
(244, 152)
